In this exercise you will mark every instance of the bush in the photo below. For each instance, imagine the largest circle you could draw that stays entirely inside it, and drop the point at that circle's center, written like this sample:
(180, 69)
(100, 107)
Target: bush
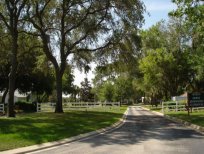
(25, 106)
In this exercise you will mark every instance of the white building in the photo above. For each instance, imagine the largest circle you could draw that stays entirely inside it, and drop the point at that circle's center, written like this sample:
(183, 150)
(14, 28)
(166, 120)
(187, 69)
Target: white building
(17, 96)
(180, 98)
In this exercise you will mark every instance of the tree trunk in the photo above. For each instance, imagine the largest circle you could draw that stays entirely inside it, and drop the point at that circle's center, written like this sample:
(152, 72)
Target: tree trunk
(10, 109)
(58, 108)
(4, 96)
(12, 76)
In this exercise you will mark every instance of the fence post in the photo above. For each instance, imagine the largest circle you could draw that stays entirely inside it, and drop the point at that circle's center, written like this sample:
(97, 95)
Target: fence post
(2, 108)
(38, 107)
(162, 107)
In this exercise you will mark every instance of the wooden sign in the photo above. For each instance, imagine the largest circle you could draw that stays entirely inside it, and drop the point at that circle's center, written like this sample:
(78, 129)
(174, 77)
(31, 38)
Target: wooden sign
(196, 99)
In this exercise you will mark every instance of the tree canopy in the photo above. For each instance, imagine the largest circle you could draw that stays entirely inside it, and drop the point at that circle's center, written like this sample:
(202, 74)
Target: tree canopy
(41, 42)
(79, 28)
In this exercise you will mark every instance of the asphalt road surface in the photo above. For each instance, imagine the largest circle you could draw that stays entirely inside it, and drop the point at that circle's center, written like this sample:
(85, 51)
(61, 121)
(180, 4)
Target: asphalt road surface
(142, 133)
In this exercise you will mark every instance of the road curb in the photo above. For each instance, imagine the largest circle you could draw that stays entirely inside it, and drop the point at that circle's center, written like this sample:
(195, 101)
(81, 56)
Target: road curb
(197, 128)
(42, 146)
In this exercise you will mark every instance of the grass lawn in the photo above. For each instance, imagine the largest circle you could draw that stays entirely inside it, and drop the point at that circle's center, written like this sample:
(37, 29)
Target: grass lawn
(35, 128)
(195, 117)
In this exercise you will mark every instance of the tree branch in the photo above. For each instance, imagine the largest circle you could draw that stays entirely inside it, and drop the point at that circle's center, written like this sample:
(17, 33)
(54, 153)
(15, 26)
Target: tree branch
(96, 49)
(87, 32)
(4, 20)
(40, 27)
(21, 7)
(85, 17)
(41, 11)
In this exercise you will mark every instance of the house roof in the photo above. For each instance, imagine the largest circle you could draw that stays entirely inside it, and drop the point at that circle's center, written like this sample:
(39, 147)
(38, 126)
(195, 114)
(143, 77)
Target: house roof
(184, 95)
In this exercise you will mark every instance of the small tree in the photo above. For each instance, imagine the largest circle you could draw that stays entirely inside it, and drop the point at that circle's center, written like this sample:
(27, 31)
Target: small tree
(85, 91)
(107, 92)
(123, 89)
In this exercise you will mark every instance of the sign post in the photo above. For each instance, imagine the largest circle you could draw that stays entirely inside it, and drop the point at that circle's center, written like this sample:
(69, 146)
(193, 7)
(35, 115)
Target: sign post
(195, 99)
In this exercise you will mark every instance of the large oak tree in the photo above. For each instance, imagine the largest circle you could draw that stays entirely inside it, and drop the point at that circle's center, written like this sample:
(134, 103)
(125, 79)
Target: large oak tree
(71, 30)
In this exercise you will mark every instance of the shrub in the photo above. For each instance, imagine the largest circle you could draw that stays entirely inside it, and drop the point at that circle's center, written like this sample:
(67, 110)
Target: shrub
(25, 106)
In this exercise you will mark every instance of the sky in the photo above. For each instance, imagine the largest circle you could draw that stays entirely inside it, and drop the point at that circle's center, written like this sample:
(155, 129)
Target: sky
(157, 9)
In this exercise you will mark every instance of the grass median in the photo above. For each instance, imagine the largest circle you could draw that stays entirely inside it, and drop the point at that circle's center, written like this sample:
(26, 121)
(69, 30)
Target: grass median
(35, 128)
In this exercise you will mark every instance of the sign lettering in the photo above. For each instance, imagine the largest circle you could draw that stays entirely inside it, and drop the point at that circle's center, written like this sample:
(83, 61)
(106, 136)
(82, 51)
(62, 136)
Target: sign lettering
(196, 99)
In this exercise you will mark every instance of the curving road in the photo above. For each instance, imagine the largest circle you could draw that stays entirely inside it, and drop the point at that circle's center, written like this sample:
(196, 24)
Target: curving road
(142, 133)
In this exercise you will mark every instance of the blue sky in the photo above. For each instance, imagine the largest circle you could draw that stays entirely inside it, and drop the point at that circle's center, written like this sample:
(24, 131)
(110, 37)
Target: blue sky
(158, 10)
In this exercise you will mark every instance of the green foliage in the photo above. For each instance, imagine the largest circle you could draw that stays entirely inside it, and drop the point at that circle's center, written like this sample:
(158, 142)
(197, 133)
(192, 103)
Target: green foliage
(85, 91)
(42, 83)
(84, 30)
(114, 79)
(192, 13)
(67, 81)
(163, 72)
(120, 89)
(31, 75)
(123, 89)
(153, 38)
(166, 66)
(106, 92)
(169, 62)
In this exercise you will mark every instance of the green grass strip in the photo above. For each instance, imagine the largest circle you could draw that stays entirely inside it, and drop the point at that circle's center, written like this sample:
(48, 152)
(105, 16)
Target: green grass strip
(194, 118)
(35, 128)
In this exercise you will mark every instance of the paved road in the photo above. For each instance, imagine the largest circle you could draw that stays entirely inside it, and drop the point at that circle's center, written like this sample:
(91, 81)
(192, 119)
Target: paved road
(142, 133)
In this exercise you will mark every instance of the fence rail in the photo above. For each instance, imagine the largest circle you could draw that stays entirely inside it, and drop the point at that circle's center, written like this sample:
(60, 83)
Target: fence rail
(77, 105)
(177, 106)
(1, 108)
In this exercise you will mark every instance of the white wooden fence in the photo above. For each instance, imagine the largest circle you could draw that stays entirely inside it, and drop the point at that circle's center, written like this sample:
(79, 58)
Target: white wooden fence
(176, 106)
(172, 106)
(48, 107)
(1, 108)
